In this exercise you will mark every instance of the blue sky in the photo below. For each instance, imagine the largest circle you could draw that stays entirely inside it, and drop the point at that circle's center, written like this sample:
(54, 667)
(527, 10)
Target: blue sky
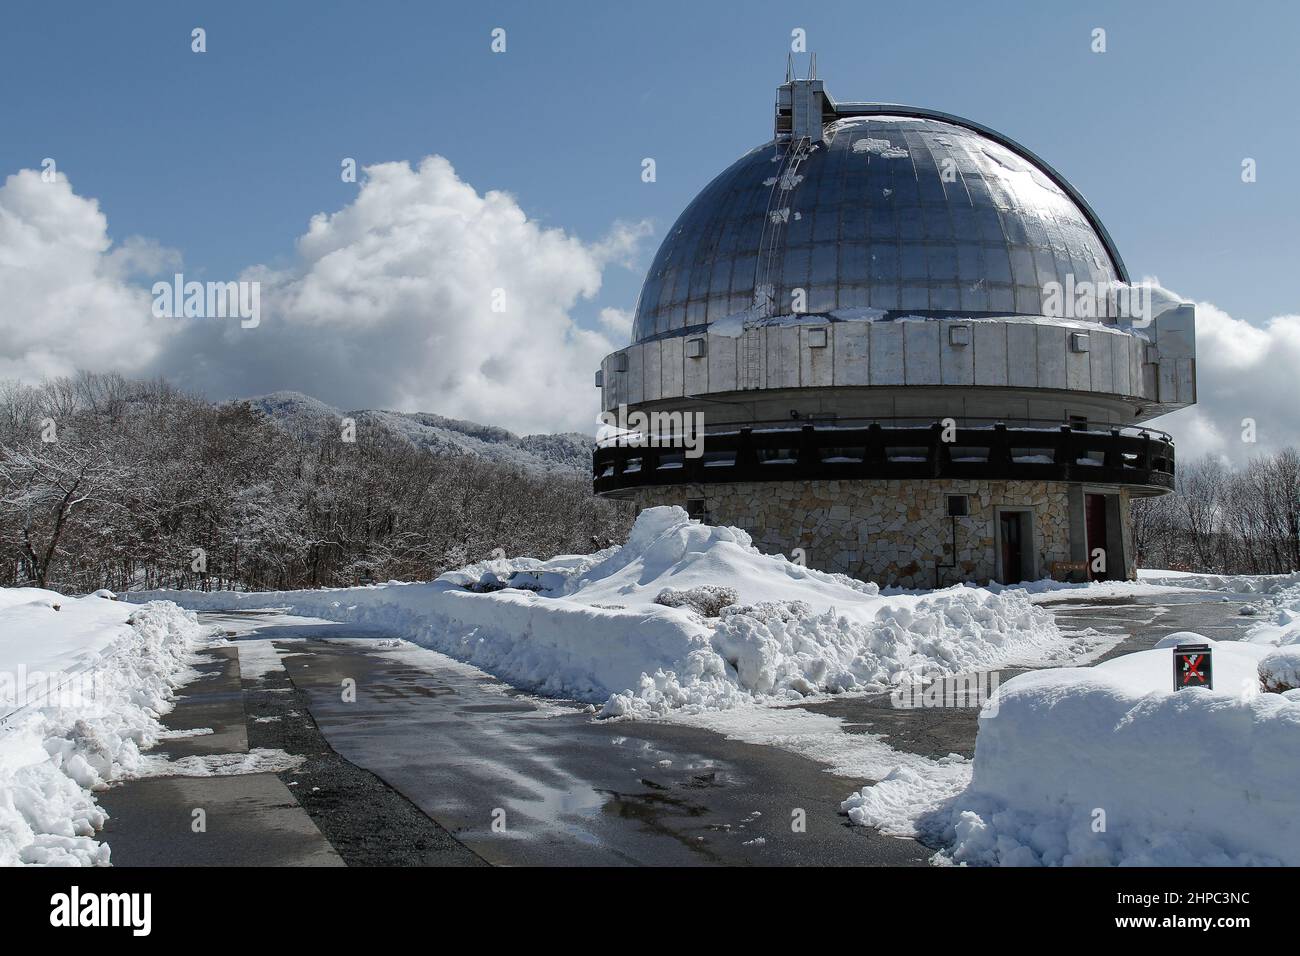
(226, 156)
(376, 292)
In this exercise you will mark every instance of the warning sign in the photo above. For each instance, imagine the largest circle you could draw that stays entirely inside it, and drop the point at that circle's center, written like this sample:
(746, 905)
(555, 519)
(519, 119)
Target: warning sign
(1193, 666)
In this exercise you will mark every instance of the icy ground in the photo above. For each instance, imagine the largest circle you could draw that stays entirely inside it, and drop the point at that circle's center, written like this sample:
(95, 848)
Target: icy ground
(82, 683)
(683, 618)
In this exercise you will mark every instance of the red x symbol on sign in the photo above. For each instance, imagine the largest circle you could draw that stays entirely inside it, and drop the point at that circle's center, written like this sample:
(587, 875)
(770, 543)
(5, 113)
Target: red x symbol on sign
(1191, 668)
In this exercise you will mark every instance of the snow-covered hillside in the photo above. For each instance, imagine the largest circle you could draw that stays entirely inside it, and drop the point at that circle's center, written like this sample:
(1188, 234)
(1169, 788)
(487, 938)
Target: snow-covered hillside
(306, 416)
(82, 682)
(742, 625)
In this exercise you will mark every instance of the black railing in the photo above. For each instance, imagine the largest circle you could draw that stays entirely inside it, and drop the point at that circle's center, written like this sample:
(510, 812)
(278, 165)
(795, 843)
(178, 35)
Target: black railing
(1144, 459)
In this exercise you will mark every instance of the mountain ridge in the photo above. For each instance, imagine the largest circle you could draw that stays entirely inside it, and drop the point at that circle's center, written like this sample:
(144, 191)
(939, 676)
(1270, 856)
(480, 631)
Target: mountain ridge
(305, 416)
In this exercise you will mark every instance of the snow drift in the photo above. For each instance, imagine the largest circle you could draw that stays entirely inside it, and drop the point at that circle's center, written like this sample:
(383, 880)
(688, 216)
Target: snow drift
(82, 683)
(593, 627)
(1109, 765)
(1273, 584)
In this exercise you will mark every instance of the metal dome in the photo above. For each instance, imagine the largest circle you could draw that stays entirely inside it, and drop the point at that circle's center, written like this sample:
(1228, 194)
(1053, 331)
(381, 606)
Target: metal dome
(901, 210)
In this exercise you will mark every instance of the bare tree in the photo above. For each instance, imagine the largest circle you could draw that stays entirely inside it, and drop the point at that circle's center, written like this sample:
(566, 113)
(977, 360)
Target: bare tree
(46, 486)
(142, 475)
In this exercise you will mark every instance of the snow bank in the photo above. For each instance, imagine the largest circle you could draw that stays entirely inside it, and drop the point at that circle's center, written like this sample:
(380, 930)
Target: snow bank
(1280, 618)
(1108, 765)
(1152, 582)
(1279, 670)
(1232, 583)
(591, 626)
(81, 688)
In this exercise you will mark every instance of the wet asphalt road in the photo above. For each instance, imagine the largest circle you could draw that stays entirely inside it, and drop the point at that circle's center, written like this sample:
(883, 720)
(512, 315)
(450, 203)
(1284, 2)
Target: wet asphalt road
(247, 819)
(523, 782)
(431, 763)
(367, 822)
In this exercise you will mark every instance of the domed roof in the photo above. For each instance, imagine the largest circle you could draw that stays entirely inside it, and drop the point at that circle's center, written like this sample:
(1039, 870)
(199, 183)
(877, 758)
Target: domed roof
(903, 212)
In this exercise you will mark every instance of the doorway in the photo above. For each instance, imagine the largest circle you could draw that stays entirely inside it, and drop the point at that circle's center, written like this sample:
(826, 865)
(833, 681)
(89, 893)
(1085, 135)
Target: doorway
(1013, 537)
(1094, 514)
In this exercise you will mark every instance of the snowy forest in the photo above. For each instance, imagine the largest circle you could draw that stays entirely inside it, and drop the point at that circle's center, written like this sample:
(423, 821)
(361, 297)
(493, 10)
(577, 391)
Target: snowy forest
(1221, 520)
(110, 482)
(107, 482)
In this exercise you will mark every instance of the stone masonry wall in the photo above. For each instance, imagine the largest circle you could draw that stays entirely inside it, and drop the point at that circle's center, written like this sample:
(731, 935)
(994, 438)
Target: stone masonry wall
(891, 532)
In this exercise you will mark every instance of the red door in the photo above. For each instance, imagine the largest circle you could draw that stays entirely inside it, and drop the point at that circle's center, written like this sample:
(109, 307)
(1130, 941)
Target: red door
(1095, 520)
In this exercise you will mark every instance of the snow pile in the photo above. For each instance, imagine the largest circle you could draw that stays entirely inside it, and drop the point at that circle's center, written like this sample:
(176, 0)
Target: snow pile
(593, 627)
(81, 688)
(1232, 583)
(1152, 582)
(1281, 619)
(1109, 765)
(1279, 670)
(788, 646)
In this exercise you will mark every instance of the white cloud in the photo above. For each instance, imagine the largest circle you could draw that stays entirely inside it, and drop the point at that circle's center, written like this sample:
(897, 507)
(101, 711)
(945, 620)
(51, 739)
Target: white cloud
(69, 301)
(623, 242)
(618, 323)
(392, 305)
(1243, 371)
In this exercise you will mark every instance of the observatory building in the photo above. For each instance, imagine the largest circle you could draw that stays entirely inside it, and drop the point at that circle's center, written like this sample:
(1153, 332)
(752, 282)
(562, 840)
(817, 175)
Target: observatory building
(914, 352)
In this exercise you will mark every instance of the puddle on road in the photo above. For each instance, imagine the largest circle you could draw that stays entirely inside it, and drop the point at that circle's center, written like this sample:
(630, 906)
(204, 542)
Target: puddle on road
(657, 812)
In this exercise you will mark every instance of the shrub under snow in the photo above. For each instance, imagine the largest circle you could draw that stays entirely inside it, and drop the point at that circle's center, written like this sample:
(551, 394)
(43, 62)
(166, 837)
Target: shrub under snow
(707, 600)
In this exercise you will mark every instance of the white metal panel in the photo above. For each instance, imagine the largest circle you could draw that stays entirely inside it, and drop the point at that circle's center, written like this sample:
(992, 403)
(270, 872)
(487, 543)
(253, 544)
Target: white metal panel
(921, 352)
(635, 382)
(652, 374)
(990, 353)
(816, 365)
(956, 362)
(1120, 347)
(1186, 380)
(1176, 337)
(851, 344)
(1176, 331)
(1022, 355)
(722, 363)
(887, 353)
(1167, 381)
(1052, 344)
(1078, 376)
(695, 377)
(670, 366)
(783, 357)
(1142, 374)
(1101, 362)
(618, 380)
